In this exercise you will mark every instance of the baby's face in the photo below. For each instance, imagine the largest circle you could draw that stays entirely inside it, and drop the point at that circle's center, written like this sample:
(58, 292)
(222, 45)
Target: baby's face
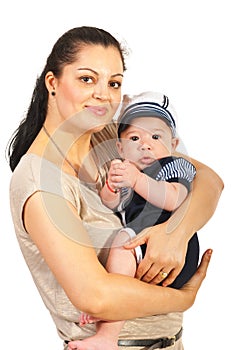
(146, 140)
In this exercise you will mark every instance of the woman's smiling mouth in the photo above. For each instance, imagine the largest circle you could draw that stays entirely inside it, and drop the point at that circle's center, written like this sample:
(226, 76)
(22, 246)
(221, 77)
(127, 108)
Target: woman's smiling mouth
(97, 110)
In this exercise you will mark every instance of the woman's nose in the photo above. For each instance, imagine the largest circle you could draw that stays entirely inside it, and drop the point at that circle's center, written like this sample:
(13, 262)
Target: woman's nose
(101, 92)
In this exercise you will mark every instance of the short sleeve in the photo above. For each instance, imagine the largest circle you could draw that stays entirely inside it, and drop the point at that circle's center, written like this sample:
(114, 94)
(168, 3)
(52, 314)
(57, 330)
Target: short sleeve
(177, 170)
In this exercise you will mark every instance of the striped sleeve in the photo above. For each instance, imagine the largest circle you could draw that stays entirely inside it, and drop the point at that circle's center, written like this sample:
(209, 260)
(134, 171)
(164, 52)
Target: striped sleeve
(177, 170)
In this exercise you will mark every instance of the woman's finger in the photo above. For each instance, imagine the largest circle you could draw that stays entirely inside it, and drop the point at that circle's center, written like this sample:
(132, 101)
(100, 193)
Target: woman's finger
(171, 277)
(135, 242)
(197, 279)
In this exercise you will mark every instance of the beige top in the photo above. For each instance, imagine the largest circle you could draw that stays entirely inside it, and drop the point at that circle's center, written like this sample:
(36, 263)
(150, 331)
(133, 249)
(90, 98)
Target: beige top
(37, 174)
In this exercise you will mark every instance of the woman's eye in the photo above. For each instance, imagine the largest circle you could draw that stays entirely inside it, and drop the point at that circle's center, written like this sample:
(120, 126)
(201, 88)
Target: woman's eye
(134, 138)
(115, 84)
(155, 137)
(87, 80)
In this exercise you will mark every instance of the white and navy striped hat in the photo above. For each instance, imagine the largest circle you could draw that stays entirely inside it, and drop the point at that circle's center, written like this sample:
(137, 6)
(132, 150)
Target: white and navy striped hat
(146, 104)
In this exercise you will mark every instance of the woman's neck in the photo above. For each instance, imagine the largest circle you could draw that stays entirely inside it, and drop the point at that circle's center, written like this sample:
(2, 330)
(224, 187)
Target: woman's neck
(66, 150)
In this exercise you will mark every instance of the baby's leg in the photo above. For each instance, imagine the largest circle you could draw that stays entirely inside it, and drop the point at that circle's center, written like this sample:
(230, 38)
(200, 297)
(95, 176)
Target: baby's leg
(120, 261)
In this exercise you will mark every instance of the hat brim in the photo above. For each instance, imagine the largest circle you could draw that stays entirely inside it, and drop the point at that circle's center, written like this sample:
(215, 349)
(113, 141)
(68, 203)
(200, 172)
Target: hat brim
(145, 110)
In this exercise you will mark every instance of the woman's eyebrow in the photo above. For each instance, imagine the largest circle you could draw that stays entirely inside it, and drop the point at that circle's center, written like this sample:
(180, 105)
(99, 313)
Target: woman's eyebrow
(91, 70)
(117, 74)
(96, 73)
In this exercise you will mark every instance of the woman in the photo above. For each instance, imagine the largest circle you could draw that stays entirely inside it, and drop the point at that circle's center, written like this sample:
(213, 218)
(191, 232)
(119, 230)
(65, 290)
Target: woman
(58, 215)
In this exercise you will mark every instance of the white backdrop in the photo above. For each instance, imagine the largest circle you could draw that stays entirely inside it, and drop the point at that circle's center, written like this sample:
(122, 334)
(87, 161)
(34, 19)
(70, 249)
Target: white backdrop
(182, 48)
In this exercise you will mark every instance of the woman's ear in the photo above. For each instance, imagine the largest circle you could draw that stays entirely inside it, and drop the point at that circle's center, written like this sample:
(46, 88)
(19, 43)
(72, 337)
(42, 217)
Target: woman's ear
(50, 82)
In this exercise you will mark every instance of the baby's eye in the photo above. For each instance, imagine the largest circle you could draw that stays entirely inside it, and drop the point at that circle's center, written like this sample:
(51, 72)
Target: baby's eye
(155, 137)
(134, 138)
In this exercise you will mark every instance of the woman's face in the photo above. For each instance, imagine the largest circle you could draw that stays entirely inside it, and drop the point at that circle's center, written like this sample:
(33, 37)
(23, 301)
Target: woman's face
(89, 90)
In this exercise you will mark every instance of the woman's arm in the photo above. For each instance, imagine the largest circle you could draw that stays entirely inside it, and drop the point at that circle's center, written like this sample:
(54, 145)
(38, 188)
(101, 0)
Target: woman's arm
(167, 242)
(207, 189)
(49, 220)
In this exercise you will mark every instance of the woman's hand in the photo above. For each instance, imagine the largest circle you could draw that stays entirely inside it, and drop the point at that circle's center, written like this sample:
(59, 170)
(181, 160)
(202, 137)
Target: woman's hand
(193, 285)
(165, 254)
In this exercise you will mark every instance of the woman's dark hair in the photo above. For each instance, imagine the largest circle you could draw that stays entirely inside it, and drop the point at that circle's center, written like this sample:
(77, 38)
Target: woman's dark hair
(64, 52)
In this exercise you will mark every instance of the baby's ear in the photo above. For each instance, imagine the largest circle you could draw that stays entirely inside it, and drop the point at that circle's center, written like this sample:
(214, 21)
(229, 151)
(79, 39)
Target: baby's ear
(119, 147)
(174, 143)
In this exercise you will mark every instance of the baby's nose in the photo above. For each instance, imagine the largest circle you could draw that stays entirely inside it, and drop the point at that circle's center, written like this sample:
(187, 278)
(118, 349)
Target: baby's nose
(145, 145)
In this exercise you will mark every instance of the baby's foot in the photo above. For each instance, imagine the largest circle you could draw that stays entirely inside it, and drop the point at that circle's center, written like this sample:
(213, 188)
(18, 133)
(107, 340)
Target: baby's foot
(86, 319)
(93, 343)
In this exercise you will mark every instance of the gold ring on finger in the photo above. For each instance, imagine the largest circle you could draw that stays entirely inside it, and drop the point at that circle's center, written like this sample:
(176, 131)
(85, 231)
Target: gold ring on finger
(163, 274)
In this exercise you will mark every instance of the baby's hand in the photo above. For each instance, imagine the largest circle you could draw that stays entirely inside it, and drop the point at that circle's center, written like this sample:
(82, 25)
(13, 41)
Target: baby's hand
(123, 174)
(130, 174)
(115, 173)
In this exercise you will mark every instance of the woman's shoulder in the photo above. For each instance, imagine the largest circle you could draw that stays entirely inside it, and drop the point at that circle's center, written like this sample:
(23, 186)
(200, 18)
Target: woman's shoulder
(30, 169)
(35, 173)
(24, 171)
